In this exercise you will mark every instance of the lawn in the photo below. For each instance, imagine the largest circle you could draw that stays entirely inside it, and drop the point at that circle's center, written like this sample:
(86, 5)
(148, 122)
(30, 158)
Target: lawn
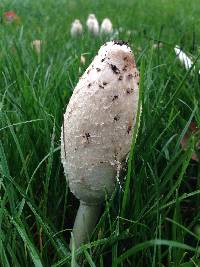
(153, 217)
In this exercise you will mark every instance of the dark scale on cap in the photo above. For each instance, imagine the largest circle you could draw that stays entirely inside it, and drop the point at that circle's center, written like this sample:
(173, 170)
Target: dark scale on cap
(120, 77)
(125, 68)
(115, 154)
(87, 136)
(88, 71)
(129, 90)
(115, 97)
(130, 76)
(115, 69)
(105, 83)
(120, 42)
(89, 85)
(101, 86)
(136, 74)
(116, 118)
(102, 59)
(98, 69)
(129, 129)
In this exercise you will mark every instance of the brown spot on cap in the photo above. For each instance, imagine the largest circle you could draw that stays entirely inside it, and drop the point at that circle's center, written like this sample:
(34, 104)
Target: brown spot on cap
(98, 69)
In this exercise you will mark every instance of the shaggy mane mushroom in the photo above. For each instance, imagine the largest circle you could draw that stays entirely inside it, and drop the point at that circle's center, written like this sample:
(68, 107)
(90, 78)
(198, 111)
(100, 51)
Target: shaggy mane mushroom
(97, 131)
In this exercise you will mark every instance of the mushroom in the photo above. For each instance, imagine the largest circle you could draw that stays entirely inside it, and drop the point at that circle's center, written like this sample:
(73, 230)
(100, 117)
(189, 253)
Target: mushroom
(92, 24)
(11, 16)
(106, 26)
(82, 59)
(97, 131)
(157, 45)
(36, 44)
(184, 59)
(76, 28)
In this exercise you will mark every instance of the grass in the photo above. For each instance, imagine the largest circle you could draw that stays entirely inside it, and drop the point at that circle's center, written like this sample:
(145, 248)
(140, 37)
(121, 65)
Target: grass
(155, 219)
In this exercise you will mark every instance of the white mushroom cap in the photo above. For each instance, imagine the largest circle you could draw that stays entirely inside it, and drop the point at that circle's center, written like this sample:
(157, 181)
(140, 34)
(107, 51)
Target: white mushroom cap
(185, 60)
(106, 26)
(76, 28)
(97, 128)
(36, 44)
(91, 16)
(92, 24)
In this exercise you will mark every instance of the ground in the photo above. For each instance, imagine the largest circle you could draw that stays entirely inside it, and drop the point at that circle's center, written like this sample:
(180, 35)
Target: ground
(153, 219)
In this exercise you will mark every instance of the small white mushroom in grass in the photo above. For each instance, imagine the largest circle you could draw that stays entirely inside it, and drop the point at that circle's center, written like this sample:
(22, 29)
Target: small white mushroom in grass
(36, 44)
(92, 24)
(158, 45)
(97, 131)
(184, 59)
(83, 59)
(106, 26)
(76, 28)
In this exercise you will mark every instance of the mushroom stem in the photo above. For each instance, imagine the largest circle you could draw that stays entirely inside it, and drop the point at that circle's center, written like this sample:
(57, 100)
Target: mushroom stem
(85, 222)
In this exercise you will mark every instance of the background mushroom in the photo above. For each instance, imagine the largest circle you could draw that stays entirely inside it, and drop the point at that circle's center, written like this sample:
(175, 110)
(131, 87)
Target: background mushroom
(92, 24)
(76, 28)
(36, 45)
(184, 59)
(106, 26)
(97, 131)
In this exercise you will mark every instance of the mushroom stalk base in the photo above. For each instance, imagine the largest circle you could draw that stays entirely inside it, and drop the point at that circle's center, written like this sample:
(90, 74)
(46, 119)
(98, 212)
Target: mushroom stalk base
(85, 223)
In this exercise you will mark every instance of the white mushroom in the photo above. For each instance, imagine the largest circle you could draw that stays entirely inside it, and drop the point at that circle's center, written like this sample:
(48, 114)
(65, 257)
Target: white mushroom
(157, 45)
(106, 26)
(92, 24)
(83, 59)
(184, 59)
(76, 28)
(97, 131)
(36, 44)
